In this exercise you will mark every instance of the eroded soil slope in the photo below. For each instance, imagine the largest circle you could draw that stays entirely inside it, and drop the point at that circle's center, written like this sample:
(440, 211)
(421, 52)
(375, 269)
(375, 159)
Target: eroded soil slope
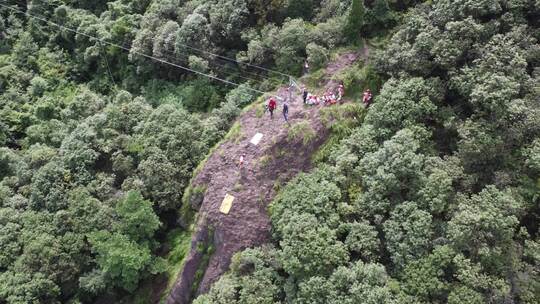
(273, 162)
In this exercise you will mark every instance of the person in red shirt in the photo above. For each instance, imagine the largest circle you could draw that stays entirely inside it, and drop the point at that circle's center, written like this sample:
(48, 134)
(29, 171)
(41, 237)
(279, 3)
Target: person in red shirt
(329, 98)
(312, 100)
(272, 105)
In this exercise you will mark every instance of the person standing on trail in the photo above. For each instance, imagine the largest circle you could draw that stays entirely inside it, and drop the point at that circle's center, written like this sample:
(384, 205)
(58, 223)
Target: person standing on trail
(272, 105)
(367, 97)
(286, 111)
(241, 161)
(341, 91)
(241, 164)
(304, 94)
(306, 67)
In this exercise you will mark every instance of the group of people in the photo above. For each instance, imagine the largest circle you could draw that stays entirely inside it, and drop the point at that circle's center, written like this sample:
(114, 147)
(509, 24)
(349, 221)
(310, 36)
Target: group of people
(330, 97)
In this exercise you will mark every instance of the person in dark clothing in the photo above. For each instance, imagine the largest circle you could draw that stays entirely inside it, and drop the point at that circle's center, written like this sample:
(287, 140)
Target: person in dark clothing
(286, 111)
(272, 105)
(304, 94)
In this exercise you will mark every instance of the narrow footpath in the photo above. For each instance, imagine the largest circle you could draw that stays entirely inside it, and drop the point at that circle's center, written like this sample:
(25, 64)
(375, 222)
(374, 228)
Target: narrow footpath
(268, 165)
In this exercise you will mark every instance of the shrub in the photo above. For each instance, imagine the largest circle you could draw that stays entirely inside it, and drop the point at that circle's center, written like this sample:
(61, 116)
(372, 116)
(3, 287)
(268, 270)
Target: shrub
(302, 131)
(355, 21)
(317, 55)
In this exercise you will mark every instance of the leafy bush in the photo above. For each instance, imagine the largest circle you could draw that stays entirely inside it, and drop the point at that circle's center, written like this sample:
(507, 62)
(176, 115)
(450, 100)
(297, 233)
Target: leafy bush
(355, 21)
(302, 131)
(317, 55)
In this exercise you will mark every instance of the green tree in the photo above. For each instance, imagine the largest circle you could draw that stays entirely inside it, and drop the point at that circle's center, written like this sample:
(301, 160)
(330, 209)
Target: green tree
(165, 40)
(122, 261)
(27, 287)
(241, 96)
(300, 9)
(227, 20)
(484, 226)
(194, 32)
(315, 194)
(310, 248)
(362, 239)
(533, 155)
(355, 21)
(378, 18)
(464, 294)
(24, 51)
(426, 277)
(255, 278)
(357, 283)
(408, 233)
(317, 55)
(392, 174)
(136, 217)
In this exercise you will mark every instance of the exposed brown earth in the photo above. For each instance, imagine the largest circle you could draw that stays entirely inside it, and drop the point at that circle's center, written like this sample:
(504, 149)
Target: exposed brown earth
(272, 163)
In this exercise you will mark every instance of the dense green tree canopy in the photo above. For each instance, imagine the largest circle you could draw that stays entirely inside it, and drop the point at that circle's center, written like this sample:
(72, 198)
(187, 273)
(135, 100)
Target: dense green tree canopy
(434, 197)
(98, 144)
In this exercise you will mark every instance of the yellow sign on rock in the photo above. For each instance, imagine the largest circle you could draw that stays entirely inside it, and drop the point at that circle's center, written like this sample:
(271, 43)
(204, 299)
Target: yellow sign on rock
(226, 204)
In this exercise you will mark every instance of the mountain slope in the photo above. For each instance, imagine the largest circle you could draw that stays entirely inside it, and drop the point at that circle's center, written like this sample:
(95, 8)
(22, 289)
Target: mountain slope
(279, 157)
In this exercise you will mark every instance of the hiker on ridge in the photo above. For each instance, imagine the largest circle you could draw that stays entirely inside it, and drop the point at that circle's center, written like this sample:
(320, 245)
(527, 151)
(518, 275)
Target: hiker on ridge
(286, 111)
(304, 94)
(341, 91)
(272, 105)
(367, 97)
(241, 161)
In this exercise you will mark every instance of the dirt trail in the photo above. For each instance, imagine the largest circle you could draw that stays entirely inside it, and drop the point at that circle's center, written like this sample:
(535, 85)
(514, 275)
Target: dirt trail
(275, 160)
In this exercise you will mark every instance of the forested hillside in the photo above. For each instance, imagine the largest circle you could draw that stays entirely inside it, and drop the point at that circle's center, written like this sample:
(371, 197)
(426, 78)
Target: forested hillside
(435, 197)
(101, 125)
(107, 108)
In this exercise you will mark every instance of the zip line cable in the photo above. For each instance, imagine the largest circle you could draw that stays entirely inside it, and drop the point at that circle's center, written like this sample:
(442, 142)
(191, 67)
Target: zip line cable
(129, 49)
(173, 55)
(257, 81)
(230, 71)
(259, 77)
(234, 60)
(219, 56)
(222, 66)
(291, 81)
(107, 63)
